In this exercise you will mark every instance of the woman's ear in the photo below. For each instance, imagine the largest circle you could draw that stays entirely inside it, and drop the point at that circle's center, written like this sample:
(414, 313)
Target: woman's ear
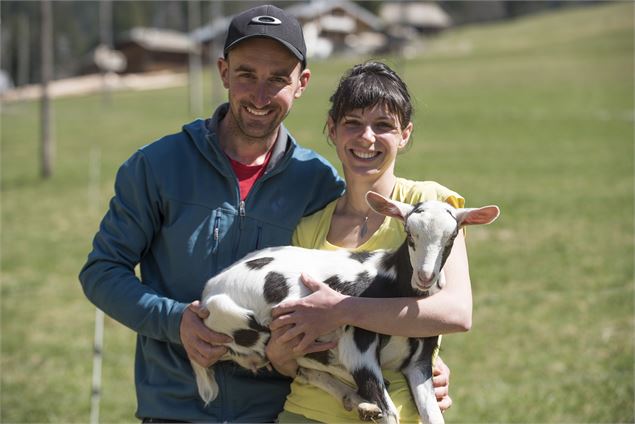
(405, 135)
(330, 125)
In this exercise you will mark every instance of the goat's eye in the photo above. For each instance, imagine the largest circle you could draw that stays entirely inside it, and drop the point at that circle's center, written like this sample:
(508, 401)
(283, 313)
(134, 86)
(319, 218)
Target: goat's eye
(410, 240)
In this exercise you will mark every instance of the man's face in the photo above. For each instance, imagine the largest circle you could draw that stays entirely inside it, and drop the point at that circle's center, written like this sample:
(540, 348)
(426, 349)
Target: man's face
(263, 79)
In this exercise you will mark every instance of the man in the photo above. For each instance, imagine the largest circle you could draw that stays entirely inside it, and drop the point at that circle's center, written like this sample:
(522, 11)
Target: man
(190, 204)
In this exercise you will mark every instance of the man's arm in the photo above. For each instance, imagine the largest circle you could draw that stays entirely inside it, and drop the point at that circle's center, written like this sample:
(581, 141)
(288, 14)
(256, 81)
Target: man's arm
(126, 233)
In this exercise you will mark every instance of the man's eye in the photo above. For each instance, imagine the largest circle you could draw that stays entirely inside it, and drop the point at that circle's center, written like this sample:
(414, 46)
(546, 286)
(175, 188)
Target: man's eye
(279, 80)
(246, 76)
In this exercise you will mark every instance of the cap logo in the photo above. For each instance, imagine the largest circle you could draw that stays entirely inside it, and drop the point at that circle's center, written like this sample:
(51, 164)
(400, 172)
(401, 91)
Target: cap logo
(266, 20)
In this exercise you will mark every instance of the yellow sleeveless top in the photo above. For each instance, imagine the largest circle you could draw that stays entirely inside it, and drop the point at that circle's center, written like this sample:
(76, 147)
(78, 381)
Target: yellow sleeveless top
(312, 402)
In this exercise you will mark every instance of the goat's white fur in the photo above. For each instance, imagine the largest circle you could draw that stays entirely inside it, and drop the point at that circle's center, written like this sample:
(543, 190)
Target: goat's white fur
(235, 298)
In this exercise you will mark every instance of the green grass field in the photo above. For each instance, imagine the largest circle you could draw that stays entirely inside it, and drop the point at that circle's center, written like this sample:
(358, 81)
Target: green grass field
(535, 115)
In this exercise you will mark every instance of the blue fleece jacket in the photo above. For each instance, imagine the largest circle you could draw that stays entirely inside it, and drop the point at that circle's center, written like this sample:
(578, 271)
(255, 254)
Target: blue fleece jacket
(177, 212)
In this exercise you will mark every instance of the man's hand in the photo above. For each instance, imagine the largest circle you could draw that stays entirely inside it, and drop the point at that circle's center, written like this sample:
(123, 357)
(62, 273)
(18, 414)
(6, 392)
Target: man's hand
(441, 383)
(310, 317)
(202, 345)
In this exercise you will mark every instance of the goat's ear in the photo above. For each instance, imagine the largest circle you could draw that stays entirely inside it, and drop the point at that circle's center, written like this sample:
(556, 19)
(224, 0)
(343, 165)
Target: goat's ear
(387, 206)
(477, 216)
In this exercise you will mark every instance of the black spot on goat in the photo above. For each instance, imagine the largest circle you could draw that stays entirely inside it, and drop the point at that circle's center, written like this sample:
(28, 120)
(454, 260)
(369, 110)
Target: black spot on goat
(258, 263)
(276, 288)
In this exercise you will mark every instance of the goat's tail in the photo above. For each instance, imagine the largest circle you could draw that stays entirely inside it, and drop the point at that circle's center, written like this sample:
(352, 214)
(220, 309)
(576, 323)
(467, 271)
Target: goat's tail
(206, 382)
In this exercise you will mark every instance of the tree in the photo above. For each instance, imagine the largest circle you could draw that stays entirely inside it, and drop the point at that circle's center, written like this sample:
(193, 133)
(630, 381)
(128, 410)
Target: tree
(46, 51)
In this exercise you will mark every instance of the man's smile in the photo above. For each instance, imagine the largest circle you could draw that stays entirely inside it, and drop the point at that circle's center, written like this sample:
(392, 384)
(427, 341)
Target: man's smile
(257, 112)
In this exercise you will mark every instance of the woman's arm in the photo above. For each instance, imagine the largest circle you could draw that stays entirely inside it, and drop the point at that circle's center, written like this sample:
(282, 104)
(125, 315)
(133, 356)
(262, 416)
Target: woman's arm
(448, 311)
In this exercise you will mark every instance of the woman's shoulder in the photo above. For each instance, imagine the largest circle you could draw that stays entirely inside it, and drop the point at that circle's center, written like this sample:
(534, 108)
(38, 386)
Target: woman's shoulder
(313, 228)
(410, 191)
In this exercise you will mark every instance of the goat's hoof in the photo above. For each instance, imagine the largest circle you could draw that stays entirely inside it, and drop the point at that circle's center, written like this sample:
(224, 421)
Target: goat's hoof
(301, 377)
(347, 402)
(368, 411)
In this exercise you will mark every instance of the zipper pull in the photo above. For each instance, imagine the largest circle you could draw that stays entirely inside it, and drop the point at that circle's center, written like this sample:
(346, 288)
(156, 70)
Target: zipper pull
(241, 212)
(216, 230)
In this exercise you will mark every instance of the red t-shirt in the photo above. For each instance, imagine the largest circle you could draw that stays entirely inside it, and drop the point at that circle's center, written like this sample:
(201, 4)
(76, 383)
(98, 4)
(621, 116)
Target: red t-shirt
(248, 174)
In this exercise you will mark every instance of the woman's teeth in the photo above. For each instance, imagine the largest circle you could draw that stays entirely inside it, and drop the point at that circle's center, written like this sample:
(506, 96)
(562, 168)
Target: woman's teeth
(364, 155)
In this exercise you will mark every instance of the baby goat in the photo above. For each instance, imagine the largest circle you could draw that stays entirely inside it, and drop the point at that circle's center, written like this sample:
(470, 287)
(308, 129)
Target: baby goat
(240, 300)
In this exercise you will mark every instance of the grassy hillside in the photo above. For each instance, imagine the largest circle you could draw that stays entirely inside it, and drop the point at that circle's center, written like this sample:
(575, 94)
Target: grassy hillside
(535, 115)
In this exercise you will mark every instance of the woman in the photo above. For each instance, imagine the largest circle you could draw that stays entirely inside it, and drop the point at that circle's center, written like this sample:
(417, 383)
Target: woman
(369, 123)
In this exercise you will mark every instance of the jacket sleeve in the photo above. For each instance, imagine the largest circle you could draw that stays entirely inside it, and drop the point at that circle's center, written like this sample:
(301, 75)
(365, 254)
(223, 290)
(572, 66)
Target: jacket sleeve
(125, 235)
(327, 186)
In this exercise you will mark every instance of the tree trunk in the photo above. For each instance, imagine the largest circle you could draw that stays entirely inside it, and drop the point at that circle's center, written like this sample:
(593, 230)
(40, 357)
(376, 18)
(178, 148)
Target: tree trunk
(47, 72)
(105, 38)
(216, 13)
(195, 65)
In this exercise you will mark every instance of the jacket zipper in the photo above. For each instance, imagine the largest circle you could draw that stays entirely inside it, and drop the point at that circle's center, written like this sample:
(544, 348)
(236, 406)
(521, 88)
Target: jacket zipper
(241, 206)
(241, 212)
(216, 230)
(258, 236)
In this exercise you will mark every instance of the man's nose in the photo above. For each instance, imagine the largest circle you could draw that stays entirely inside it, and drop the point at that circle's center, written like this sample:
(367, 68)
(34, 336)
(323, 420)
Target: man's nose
(261, 96)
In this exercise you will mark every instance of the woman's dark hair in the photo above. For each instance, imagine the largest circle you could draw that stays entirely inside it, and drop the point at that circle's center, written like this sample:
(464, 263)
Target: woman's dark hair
(368, 84)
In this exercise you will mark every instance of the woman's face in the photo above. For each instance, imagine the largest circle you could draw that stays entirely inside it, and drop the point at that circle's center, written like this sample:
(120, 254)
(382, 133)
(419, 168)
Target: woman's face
(367, 140)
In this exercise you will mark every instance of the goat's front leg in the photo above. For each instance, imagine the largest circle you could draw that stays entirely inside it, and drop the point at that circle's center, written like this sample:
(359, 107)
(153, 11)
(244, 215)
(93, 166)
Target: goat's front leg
(418, 373)
(358, 351)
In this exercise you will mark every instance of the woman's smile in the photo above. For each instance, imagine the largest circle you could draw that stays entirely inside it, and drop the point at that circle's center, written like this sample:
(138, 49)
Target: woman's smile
(364, 155)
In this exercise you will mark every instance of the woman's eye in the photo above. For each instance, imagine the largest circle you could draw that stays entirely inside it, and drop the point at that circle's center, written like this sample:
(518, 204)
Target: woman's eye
(386, 126)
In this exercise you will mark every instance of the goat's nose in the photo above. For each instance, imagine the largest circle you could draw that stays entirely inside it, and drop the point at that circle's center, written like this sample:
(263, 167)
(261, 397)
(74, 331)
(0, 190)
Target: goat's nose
(425, 276)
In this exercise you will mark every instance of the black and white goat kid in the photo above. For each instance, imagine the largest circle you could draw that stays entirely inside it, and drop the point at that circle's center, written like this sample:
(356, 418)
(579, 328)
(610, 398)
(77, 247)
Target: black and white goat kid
(240, 300)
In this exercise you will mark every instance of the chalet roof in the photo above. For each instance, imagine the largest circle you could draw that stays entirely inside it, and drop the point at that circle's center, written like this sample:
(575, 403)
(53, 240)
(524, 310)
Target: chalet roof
(421, 14)
(164, 40)
(308, 11)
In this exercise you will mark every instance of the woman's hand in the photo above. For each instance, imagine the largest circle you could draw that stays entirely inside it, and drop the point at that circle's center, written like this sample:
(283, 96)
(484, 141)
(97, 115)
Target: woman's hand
(281, 354)
(309, 317)
(441, 383)
(203, 346)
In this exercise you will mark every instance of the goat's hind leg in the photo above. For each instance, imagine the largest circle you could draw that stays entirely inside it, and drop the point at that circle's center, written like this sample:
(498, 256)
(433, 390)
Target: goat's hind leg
(418, 373)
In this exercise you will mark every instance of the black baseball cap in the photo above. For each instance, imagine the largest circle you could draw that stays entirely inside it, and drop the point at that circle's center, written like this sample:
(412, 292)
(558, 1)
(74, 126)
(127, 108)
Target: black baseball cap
(267, 21)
